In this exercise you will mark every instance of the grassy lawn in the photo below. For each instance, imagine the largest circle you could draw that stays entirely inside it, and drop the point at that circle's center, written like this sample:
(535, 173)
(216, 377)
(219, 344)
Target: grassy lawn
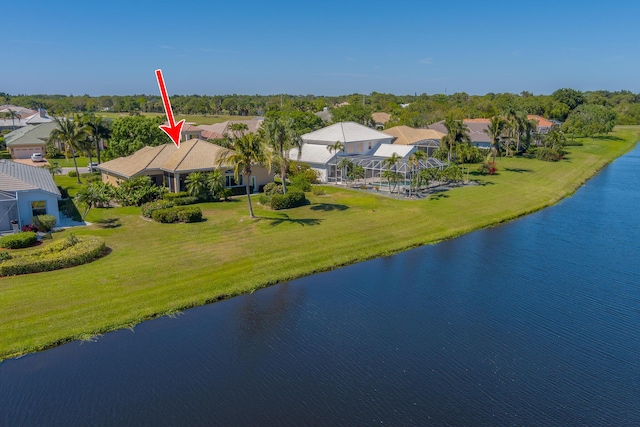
(197, 119)
(83, 162)
(155, 269)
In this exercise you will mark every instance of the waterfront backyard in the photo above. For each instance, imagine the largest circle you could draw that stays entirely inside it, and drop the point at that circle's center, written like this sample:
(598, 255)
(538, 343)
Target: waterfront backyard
(155, 269)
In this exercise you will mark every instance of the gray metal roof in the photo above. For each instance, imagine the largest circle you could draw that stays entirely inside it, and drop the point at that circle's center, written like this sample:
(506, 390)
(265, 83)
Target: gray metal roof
(19, 177)
(28, 134)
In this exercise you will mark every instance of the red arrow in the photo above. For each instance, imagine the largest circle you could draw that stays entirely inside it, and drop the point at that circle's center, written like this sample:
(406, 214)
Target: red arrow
(173, 130)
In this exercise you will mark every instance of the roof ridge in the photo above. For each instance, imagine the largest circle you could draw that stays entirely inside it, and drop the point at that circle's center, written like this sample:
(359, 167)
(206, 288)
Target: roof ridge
(187, 153)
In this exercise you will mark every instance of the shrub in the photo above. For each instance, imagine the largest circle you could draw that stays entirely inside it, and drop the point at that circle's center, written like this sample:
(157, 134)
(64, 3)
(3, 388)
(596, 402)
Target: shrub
(292, 199)
(18, 240)
(264, 200)
(302, 182)
(187, 200)
(167, 215)
(272, 188)
(4, 255)
(44, 222)
(548, 154)
(178, 214)
(30, 227)
(92, 177)
(171, 196)
(5, 155)
(318, 191)
(148, 208)
(488, 168)
(65, 253)
(73, 174)
(189, 214)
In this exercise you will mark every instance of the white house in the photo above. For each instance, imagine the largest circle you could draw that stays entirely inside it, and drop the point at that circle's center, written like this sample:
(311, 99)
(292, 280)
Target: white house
(25, 191)
(356, 138)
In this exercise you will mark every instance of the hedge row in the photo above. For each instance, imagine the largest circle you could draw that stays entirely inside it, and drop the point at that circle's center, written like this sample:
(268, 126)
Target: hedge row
(18, 240)
(177, 214)
(148, 208)
(65, 253)
(171, 196)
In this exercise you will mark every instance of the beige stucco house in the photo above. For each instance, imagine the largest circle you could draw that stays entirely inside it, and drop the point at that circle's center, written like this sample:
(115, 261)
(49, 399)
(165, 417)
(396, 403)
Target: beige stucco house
(168, 165)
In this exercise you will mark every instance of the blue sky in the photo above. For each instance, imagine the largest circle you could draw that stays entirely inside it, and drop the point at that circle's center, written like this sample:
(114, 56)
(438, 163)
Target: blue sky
(322, 48)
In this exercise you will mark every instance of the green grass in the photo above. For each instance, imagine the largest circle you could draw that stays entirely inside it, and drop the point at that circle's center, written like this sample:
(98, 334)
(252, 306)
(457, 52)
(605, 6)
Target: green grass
(155, 269)
(83, 162)
(197, 119)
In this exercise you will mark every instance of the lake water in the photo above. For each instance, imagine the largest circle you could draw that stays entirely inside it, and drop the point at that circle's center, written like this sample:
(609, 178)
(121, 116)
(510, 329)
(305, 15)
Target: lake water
(536, 322)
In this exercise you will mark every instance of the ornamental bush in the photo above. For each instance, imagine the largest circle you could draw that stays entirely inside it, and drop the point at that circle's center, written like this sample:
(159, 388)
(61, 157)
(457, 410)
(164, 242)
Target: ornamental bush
(148, 208)
(294, 198)
(64, 253)
(18, 240)
(44, 223)
(178, 214)
(187, 200)
(171, 196)
(73, 174)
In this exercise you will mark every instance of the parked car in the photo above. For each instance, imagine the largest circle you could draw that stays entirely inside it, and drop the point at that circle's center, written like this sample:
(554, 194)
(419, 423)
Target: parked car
(92, 167)
(37, 157)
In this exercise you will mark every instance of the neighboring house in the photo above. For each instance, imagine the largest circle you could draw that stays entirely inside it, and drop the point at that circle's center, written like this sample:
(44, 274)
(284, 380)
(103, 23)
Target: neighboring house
(316, 156)
(388, 150)
(477, 127)
(543, 125)
(224, 128)
(190, 131)
(428, 140)
(356, 138)
(25, 191)
(380, 119)
(25, 117)
(168, 165)
(23, 142)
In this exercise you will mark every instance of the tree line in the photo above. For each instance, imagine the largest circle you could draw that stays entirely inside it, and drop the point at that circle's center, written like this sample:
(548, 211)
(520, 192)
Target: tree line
(418, 111)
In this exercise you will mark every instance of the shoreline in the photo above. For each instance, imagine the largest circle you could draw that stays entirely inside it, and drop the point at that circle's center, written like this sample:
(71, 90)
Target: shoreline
(275, 277)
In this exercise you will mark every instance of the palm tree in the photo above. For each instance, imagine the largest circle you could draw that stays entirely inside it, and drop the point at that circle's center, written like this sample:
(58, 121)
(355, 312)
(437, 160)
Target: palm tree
(248, 150)
(391, 162)
(457, 133)
(280, 135)
(98, 129)
(414, 162)
(336, 148)
(72, 135)
(215, 183)
(195, 183)
(494, 130)
(345, 165)
(238, 129)
(10, 114)
(54, 169)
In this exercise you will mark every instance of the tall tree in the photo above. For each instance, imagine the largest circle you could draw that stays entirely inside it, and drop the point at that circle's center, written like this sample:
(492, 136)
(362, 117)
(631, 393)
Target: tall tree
(337, 147)
(494, 130)
(391, 164)
(10, 114)
(415, 160)
(98, 130)
(72, 135)
(281, 137)
(248, 150)
(457, 133)
(131, 133)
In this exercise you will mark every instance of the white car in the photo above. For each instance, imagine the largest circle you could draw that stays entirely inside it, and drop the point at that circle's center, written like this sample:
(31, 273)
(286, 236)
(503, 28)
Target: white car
(92, 167)
(37, 157)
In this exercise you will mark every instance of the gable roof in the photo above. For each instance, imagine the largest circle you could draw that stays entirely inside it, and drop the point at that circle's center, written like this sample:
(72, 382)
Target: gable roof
(20, 177)
(476, 129)
(406, 135)
(344, 132)
(193, 155)
(30, 134)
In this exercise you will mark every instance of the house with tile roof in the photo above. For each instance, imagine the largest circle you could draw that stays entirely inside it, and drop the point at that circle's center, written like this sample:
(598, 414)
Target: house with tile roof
(479, 138)
(168, 165)
(224, 128)
(24, 117)
(542, 125)
(428, 140)
(25, 191)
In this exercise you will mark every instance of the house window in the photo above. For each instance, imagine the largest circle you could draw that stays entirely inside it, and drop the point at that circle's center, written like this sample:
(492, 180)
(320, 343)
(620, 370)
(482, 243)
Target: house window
(369, 145)
(230, 181)
(39, 208)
